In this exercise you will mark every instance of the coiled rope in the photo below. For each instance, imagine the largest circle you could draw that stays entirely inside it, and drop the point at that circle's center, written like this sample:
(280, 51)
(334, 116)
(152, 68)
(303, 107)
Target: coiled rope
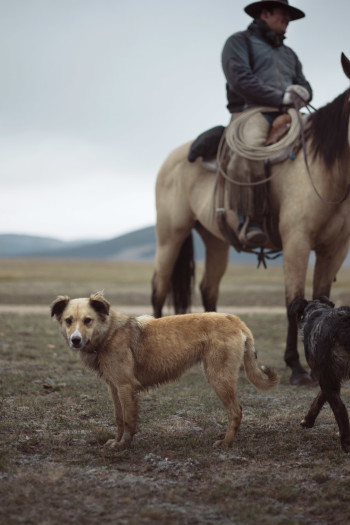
(236, 135)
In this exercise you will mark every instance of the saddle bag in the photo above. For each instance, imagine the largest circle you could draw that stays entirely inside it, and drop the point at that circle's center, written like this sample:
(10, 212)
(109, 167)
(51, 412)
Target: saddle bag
(206, 144)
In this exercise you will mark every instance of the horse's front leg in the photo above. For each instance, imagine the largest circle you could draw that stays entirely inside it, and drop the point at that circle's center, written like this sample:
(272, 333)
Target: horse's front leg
(326, 267)
(295, 262)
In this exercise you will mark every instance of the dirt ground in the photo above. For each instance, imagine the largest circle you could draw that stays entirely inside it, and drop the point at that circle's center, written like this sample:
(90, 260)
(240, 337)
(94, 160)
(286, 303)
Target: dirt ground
(55, 418)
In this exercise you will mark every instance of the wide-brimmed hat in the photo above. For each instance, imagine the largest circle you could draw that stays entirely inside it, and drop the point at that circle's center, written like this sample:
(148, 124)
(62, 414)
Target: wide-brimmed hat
(255, 8)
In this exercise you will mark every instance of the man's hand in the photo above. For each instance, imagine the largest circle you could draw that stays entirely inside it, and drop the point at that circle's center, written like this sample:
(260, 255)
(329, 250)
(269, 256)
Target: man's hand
(296, 95)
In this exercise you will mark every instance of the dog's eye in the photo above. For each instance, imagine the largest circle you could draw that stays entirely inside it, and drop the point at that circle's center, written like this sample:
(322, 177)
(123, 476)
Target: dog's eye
(68, 321)
(87, 321)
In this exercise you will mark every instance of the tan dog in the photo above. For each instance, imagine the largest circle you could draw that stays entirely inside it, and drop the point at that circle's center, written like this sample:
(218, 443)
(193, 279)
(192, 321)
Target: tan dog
(134, 353)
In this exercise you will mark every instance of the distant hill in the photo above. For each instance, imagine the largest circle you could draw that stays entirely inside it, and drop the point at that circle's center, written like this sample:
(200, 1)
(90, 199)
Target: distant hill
(136, 245)
(139, 244)
(12, 245)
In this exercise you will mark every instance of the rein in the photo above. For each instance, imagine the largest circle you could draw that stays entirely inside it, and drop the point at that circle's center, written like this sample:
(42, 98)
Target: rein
(264, 153)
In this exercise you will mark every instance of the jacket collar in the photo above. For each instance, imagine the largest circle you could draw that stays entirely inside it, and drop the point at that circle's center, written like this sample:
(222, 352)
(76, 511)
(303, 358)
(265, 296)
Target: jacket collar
(262, 30)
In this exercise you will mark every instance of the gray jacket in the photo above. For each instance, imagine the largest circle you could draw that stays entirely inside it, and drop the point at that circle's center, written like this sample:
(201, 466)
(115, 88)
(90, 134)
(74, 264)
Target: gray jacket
(258, 70)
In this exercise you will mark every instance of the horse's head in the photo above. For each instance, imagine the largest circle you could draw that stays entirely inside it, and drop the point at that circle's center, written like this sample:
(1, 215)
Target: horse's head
(330, 127)
(345, 62)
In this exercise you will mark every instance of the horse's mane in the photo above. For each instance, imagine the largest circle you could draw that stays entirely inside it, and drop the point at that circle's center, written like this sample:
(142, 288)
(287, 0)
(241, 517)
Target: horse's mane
(329, 129)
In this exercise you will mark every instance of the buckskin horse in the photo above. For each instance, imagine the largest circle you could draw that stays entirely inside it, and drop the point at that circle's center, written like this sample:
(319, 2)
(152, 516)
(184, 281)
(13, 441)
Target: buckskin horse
(309, 204)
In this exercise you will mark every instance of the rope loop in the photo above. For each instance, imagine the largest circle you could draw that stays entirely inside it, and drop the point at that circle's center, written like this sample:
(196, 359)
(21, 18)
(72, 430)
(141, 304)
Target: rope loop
(236, 135)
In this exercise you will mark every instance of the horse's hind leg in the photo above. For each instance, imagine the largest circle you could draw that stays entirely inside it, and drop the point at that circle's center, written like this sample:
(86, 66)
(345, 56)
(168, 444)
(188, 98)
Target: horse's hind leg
(168, 249)
(216, 259)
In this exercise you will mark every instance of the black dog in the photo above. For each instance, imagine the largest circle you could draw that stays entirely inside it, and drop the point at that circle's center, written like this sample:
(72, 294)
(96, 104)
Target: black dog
(325, 331)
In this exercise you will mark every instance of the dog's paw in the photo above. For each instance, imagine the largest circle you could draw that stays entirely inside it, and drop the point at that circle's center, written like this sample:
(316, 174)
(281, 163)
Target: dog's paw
(345, 445)
(113, 443)
(223, 443)
(306, 424)
(218, 443)
(119, 443)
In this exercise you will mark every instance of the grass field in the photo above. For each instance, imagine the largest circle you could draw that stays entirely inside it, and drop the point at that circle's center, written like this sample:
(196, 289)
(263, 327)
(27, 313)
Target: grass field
(56, 416)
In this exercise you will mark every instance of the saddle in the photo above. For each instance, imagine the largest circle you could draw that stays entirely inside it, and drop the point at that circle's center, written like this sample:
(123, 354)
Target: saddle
(207, 143)
(206, 146)
(279, 128)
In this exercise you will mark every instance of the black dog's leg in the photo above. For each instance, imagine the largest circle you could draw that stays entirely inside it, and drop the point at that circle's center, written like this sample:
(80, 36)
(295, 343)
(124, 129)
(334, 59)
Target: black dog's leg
(330, 386)
(341, 416)
(314, 410)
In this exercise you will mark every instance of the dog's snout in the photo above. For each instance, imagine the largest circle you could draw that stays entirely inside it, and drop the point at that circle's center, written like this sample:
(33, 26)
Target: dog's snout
(76, 339)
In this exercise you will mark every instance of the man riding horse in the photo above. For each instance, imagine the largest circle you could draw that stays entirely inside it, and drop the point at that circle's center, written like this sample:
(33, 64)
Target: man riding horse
(309, 206)
(260, 71)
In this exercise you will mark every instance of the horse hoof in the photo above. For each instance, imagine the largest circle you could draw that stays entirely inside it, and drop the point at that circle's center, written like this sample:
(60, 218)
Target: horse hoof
(301, 379)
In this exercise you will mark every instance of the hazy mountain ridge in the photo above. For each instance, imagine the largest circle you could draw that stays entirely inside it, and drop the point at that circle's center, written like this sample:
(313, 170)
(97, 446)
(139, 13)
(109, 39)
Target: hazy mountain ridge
(12, 245)
(136, 245)
(140, 243)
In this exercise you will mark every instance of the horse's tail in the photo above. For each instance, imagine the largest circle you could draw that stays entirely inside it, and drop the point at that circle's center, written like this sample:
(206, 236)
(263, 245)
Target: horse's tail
(182, 279)
(264, 377)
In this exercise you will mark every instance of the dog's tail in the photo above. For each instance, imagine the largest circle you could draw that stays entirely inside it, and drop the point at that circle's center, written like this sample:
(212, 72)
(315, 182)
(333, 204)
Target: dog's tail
(264, 377)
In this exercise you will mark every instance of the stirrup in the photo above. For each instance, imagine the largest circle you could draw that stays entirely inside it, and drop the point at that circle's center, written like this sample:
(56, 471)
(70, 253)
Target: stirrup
(252, 239)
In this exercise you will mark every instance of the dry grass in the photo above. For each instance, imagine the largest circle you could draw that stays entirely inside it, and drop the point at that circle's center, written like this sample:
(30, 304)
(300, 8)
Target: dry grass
(55, 417)
(28, 281)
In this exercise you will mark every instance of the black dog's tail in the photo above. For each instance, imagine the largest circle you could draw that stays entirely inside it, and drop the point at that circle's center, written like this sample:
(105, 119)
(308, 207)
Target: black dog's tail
(304, 311)
(318, 321)
(299, 306)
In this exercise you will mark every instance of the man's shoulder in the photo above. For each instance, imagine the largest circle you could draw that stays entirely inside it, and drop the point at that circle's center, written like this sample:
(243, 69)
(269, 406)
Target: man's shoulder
(238, 39)
(240, 35)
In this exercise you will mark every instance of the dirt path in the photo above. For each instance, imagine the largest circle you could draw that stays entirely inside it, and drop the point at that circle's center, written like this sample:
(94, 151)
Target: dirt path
(24, 309)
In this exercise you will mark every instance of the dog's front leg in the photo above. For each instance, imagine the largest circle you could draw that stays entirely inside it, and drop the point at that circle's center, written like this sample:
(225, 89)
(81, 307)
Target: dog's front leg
(128, 406)
(118, 413)
(314, 410)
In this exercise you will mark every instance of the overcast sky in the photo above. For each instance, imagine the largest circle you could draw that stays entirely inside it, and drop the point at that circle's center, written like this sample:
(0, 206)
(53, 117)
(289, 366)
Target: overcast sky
(94, 94)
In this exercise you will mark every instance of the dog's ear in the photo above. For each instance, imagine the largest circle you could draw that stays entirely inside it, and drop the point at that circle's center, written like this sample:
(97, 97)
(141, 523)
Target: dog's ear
(59, 305)
(297, 307)
(324, 300)
(100, 304)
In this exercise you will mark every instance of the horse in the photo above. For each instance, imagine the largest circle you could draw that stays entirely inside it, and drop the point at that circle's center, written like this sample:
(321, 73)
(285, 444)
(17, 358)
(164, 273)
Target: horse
(308, 204)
